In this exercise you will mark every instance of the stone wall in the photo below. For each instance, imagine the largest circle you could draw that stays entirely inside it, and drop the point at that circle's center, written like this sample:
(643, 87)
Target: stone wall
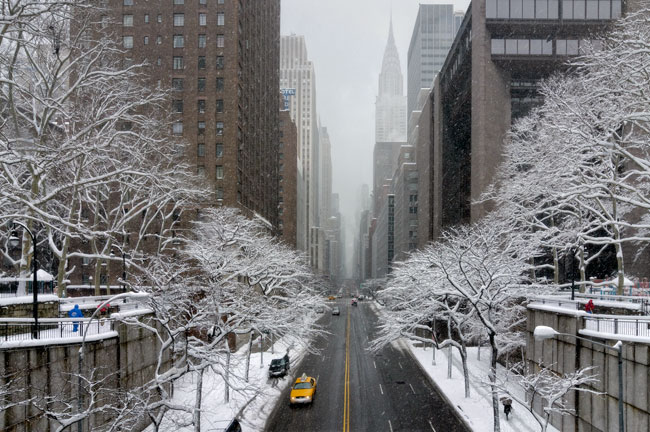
(123, 362)
(593, 412)
(47, 309)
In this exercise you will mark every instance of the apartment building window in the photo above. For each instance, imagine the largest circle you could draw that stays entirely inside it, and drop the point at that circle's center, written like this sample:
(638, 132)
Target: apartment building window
(221, 41)
(127, 20)
(219, 84)
(158, 40)
(128, 2)
(179, 20)
(221, 19)
(203, 19)
(203, 2)
(220, 1)
(219, 172)
(159, 18)
(177, 128)
(219, 150)
(202, 40)
(146, 41)
(219, 105)
(179, 2)
(177, 106)
(146, 18)
(179, 41)
(200, 150)
(201, 106)
(201, 127)
(202, 62)
(177, 84)
(220, 62)
(127, 42)
(200, 84)
(178, 63)
(219, 193)
(200, 170)
(159, 61)
(219, 128)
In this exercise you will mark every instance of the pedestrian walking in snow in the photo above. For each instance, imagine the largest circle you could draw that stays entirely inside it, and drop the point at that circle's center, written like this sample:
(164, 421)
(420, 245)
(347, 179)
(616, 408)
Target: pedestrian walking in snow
(75, 312)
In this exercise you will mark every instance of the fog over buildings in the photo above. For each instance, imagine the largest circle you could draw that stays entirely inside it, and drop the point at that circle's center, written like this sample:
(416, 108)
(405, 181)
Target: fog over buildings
(346, 42)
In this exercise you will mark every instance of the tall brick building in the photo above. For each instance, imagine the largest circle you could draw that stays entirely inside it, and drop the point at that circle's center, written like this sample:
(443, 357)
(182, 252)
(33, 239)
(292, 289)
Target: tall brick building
(221, 59)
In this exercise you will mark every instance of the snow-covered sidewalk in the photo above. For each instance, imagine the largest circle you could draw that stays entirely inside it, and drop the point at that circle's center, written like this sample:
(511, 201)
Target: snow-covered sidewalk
(477, 409)
(252, 403)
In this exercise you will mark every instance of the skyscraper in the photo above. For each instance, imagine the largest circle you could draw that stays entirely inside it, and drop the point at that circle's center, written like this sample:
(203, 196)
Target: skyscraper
(390, 106)
(432, 37)
(297, 75)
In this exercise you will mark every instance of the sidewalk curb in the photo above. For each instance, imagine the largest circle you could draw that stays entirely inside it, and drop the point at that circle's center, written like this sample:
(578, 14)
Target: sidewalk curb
(460, 415)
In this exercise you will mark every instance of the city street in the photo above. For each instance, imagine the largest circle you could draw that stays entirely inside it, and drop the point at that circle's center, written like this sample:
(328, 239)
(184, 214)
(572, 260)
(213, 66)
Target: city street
(386, 391)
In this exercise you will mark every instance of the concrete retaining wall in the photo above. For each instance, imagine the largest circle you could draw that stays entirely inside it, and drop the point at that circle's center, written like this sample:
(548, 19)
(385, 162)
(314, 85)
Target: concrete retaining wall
(593, 412)
(124, 362)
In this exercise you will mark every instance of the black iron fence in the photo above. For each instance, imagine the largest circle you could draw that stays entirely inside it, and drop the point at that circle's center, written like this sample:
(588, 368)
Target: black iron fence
(20, 329)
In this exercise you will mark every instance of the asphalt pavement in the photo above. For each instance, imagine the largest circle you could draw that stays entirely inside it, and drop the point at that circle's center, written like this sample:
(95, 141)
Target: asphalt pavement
(386, 391)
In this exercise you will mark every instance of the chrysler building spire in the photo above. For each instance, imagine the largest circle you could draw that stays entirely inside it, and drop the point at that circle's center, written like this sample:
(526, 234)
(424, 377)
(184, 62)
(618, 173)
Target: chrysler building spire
(390, 78)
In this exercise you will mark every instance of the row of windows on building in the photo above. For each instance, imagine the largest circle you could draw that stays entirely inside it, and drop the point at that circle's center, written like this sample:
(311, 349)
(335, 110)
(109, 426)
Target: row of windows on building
(178, 41)
(541, 46)
(180, 2)
(178, 84)
(178, 62)
(550, 9)
(177, 128)
(177, 106)
(200, 150)
(178, 19)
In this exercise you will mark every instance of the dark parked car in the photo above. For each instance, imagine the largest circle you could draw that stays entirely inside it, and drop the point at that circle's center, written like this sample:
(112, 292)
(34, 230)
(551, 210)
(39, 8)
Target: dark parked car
(279, 367)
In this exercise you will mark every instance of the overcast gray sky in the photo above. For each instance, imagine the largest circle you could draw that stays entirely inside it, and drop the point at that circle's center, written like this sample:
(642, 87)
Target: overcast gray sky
(346, 40)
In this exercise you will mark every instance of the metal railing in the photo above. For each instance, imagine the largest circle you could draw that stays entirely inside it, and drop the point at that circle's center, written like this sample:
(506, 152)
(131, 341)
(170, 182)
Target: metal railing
(581, 299)
(561, 302)
(20, 329)
(620, 325)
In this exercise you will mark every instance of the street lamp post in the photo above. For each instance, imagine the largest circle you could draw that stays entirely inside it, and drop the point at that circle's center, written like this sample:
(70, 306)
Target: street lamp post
(35, 280)
(545, 332)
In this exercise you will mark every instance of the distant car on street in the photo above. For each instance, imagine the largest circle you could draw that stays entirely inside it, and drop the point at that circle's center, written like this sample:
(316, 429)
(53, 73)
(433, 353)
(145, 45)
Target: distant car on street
(331, 297)
(320, 309)
(354, 302)
(336, 311)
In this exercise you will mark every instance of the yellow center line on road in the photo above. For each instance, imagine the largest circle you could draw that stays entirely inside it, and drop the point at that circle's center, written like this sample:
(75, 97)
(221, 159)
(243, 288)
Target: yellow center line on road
(346, 386)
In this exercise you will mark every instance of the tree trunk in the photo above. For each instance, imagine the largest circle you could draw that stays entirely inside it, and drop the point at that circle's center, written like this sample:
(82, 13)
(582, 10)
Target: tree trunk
(226, 397)
(493, 381)
(197, 407)
(463, 358)
(248, 357)
(556, 267)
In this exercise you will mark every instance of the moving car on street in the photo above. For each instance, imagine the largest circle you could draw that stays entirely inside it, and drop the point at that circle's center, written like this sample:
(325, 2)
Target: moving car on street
(303, 391)
(336, 311)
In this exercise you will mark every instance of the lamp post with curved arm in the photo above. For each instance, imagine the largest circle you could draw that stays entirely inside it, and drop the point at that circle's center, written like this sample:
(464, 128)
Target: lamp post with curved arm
(35, 280)
(545, 332)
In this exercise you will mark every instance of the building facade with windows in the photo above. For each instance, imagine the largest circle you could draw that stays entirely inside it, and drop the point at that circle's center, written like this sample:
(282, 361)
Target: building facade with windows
(297, 74)
(220, 59)
(502, 51)
(288, 189)
(433, 34)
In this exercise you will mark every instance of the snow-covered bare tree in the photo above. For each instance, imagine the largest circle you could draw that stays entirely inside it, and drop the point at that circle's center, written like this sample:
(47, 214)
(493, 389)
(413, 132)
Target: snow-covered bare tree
(549, 390)
(231, 278)
(576, 170)
(86, 153)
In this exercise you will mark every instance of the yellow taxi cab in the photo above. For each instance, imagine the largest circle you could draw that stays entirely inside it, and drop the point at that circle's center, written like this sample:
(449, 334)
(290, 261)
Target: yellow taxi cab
(303, 390)
(331, 298)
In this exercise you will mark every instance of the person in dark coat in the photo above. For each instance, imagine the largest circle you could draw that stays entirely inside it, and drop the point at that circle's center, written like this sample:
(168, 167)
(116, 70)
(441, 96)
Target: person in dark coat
(75, 312)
